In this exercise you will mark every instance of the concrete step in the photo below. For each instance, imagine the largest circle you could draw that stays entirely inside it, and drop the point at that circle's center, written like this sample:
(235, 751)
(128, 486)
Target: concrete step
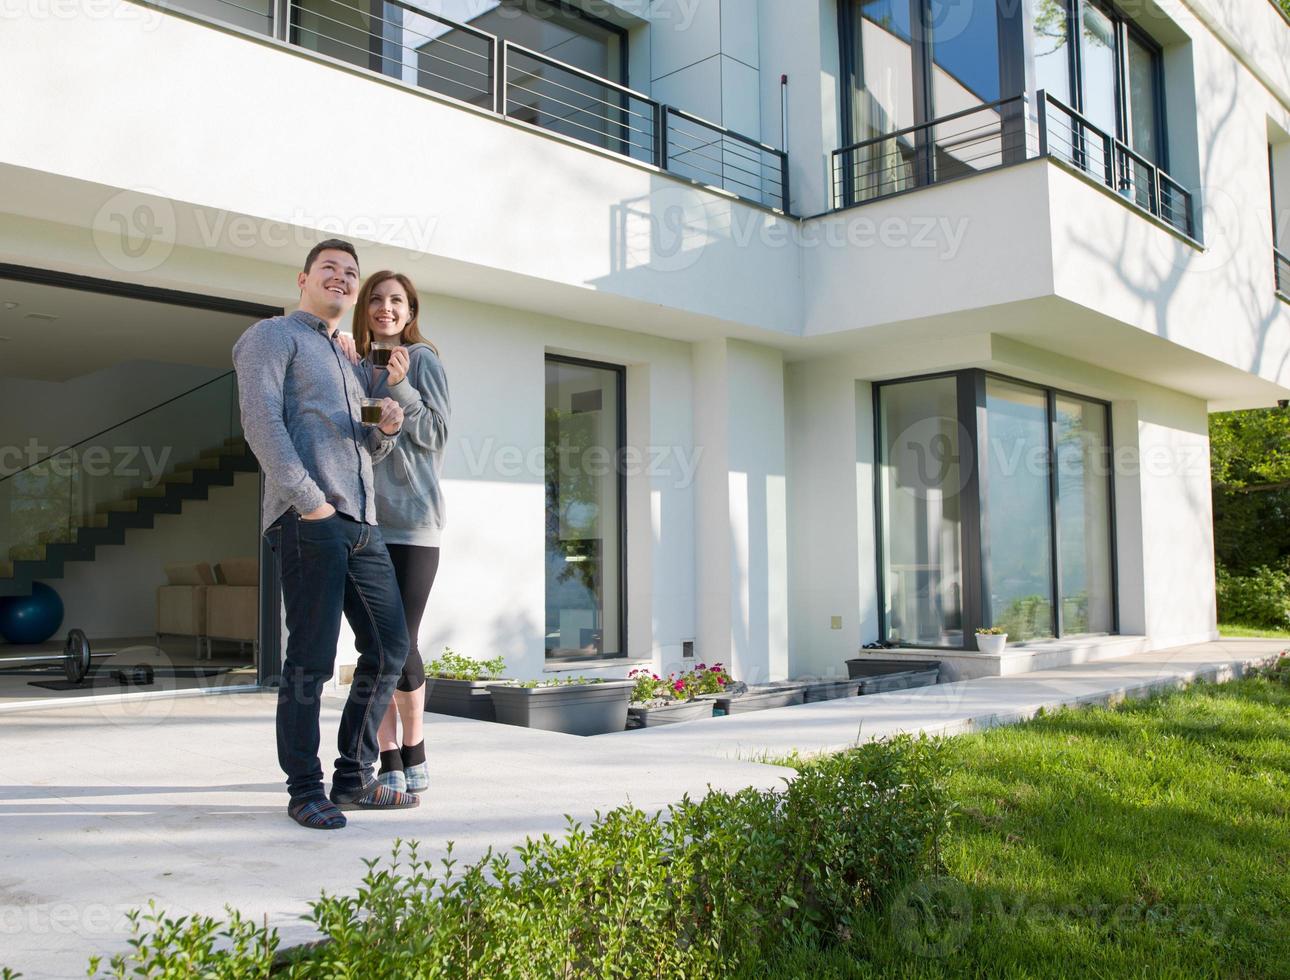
(137, 493)
(6, 568)
(201, 463)
(27, 552)
(962, 665)
(59, 535)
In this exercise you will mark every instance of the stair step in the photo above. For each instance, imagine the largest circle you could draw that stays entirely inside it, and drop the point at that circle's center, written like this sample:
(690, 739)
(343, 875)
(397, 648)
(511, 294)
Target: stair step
(200, 464)
(60, 535)
(118, 507)
(138, 493)
(6, 568)
(27, 552)
(94, 520)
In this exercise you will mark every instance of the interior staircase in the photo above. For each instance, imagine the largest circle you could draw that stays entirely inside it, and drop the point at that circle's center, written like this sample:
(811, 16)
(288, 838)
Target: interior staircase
(80, 539)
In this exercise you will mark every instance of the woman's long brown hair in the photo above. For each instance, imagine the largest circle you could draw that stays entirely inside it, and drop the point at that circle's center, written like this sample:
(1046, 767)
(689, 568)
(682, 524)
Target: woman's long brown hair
(362, 318)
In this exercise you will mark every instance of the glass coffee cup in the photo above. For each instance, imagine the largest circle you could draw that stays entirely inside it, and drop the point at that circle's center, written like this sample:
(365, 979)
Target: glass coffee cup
(373, 409)
(381, 351)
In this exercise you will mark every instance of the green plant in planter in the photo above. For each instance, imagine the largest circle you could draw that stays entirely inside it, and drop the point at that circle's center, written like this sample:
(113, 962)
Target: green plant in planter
(557, 682)
(709, 680)
(650, 687)
(991, 631)
(456, 667)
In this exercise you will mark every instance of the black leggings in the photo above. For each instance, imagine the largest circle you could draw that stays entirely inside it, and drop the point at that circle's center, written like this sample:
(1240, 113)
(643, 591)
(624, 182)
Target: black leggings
(415, 568)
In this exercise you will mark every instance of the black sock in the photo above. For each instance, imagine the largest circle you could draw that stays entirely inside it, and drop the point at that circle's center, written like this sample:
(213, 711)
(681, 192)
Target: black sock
(392, 761)
(413, 755)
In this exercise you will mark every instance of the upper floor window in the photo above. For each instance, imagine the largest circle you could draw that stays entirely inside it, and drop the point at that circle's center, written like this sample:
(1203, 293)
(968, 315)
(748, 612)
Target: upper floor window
(906, 62)
(1111, 72)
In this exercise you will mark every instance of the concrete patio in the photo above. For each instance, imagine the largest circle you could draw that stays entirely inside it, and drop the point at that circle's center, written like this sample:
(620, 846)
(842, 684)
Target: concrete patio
(104, 806)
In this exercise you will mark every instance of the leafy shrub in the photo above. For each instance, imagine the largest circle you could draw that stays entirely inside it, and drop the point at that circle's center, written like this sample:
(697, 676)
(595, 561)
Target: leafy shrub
(705, 889)
(1260, 598)
(458, 667)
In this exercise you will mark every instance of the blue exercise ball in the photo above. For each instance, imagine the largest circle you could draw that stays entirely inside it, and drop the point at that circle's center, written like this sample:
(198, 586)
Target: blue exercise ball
(31, 618)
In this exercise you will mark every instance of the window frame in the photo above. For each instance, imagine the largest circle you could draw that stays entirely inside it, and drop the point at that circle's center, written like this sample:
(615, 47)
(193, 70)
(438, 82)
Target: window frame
(1125, 27)
(974, 531)
(620, 470)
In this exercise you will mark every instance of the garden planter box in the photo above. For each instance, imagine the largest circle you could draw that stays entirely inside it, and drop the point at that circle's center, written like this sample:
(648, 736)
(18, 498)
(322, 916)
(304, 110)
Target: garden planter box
(880, 676)
(575, 709)
(647, 716)
(759, 697)
(829, 690)
(461, 699)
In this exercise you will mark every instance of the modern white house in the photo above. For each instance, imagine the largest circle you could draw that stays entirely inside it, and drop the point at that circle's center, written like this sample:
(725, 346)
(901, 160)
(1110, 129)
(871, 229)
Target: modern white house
(774, 328)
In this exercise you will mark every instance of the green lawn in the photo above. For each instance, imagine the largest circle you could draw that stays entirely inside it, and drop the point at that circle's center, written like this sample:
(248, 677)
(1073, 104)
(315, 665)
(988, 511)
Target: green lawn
(1254, 632)
(1152, 839)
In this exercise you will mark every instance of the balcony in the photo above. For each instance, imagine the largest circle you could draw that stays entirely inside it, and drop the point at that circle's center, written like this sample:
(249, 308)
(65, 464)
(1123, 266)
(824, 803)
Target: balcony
(998, 134)
(436, 54)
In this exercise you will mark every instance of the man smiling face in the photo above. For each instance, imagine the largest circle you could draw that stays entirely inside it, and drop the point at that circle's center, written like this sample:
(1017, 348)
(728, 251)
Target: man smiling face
(329, 284)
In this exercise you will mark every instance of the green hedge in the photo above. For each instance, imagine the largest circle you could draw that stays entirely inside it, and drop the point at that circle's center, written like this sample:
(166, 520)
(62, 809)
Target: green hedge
(708, 888)
(1259, 598)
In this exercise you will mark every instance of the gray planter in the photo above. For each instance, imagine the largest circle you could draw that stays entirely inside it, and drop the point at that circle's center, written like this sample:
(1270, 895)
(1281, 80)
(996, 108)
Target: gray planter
(829, 690)
(651, 716)
(880, 676)
(461, 699)
(575, 709)
(758, 697)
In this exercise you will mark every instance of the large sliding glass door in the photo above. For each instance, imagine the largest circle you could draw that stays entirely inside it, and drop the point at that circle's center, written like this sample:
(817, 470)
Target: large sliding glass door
(1016, 507)
(994, 508)
(920, 500)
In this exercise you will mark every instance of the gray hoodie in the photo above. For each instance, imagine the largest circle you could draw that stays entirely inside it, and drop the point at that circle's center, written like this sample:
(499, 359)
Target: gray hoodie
(409, 502)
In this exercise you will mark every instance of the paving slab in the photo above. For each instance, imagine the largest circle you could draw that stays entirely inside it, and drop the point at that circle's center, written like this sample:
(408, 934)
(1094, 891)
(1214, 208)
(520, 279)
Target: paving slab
(104, 806)
(961, 706)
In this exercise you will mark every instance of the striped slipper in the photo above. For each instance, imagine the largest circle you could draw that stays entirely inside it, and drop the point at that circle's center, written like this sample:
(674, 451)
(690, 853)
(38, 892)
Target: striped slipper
(376, 797)
(316, 813)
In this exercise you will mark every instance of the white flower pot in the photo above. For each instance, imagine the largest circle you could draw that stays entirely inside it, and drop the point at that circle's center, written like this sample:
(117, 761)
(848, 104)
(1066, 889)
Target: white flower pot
(991, 644)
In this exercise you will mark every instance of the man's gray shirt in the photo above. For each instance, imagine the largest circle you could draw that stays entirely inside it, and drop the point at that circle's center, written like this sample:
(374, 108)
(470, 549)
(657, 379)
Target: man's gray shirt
(302, 414)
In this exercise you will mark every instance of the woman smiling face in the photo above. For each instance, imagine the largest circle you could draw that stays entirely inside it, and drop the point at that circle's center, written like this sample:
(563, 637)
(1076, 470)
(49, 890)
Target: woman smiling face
(388, 310)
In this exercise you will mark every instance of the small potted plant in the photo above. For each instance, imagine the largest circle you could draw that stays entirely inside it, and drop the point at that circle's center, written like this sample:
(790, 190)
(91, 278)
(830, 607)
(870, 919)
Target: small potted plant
(664, 701)
(991, 639)
(574, 705)
(458, 685)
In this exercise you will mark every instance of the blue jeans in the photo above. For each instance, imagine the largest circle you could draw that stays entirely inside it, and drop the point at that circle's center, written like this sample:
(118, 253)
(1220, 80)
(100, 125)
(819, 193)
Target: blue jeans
(331, 566)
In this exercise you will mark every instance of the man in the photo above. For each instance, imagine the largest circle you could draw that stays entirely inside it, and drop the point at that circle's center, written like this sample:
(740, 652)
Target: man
(301, 411)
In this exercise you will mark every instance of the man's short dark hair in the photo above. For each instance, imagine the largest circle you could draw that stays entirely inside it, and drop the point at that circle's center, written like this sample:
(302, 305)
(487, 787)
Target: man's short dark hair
(326, 246)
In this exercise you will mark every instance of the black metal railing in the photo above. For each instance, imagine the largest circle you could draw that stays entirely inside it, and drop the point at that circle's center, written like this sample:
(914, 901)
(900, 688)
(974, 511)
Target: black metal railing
(1281, 271)
(962, 143)
(996, 134)
(1074, 140)
(405, 41)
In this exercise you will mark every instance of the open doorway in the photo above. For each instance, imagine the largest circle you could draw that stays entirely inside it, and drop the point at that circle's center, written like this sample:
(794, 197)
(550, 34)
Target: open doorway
(130, 552)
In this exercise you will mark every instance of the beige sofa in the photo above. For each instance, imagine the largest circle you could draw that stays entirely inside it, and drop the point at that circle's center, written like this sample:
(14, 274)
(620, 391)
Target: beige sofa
(233, 603)
(181, 602)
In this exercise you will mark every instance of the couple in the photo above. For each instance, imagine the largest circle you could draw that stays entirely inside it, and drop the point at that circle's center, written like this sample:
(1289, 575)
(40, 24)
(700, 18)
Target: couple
(329, 480)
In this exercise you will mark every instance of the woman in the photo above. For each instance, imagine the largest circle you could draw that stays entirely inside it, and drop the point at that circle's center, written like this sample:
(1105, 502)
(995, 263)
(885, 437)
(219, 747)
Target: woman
(409, 504)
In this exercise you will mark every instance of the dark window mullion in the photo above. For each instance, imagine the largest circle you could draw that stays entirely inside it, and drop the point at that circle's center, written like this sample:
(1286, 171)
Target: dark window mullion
(1054, 514)
(974, 535)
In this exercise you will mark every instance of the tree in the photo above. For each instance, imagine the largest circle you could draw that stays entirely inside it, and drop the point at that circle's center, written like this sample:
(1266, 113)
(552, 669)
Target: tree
(1250, 462)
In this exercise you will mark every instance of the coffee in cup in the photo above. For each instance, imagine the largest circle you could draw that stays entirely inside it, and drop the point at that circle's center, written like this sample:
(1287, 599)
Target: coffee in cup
(373, 408)
(380, 353)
